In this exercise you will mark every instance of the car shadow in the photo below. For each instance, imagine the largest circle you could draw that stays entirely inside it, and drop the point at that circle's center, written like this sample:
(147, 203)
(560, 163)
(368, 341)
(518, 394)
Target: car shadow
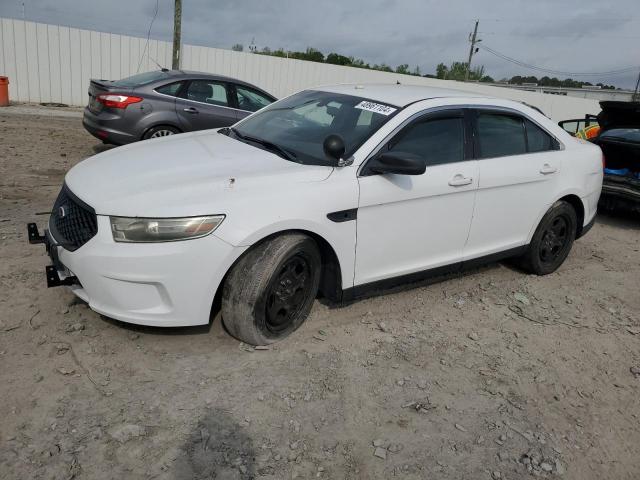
(218, 447)
(102, 147)
(623, 219)
(163, 331)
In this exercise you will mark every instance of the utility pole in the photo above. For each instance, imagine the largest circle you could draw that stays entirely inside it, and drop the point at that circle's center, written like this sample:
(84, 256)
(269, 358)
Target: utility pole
(636, 94)
(177, 27)
(473, 41)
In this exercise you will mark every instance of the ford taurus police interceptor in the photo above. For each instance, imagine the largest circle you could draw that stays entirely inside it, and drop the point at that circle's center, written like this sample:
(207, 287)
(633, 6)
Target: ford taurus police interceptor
(334, 191)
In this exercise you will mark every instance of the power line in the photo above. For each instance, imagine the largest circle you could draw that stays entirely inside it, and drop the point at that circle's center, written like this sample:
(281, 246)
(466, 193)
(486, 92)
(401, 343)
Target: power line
(568, 35)
(556, 72)
(146, 45)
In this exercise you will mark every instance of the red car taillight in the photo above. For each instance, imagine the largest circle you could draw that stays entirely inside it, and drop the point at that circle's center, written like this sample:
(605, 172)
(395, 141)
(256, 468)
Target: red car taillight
(114, 100)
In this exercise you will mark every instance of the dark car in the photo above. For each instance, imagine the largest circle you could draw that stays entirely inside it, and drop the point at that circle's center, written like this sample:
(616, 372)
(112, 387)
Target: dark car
(616, 129)
(165, 102)
(619, 140)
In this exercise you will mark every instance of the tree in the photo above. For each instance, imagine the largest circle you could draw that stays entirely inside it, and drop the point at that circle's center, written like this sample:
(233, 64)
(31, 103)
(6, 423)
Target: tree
(442, 71)
(416, 71)
(382, 67)
(403, 69)
(238, 47)
(337, 59)
(314, 55)
(358, 62)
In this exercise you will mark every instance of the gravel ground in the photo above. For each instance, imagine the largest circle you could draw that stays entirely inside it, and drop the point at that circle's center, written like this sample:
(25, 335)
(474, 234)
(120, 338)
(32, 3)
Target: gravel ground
(493, 374)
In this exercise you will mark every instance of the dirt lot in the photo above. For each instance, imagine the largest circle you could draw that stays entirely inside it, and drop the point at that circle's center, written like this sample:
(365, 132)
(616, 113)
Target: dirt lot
(494, 374)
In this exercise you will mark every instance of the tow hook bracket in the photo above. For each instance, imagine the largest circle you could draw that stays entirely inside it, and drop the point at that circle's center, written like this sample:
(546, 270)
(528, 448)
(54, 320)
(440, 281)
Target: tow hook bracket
(54, 280)
(34, 234)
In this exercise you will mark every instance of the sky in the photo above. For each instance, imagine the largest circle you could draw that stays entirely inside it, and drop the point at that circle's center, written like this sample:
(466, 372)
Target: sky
(564, 35)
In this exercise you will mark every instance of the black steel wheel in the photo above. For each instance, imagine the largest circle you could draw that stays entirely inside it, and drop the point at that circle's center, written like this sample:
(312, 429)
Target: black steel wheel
(287, 293)
(552, 240)
(269, 292)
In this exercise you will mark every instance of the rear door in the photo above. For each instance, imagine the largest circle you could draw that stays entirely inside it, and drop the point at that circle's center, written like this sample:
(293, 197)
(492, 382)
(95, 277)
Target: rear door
(205, 104)
(519, 165)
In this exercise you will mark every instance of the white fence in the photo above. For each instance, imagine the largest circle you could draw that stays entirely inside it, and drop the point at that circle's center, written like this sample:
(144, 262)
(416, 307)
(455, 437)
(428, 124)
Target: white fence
(51, 63)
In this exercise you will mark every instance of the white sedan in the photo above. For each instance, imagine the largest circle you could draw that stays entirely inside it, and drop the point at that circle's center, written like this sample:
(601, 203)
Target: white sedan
(335, 191)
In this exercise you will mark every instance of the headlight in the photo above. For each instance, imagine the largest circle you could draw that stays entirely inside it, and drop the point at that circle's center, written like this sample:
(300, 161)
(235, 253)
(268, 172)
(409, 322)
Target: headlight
(162, 229)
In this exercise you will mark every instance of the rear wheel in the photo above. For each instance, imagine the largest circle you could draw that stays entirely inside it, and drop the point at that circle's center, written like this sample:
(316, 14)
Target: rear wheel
(160, 131)
(269, 292)
(552, 241)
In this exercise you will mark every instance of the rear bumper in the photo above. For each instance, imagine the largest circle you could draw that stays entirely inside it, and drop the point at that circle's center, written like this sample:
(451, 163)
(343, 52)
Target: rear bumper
(108, 128)
(170, 284)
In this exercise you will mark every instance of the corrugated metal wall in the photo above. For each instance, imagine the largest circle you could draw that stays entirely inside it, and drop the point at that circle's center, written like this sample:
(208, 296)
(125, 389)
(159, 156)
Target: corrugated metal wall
(51, 63)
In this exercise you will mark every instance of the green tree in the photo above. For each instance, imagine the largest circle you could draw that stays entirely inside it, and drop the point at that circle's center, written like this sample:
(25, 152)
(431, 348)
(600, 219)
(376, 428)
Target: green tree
(404, 69)
(442, 71)
(337, 59)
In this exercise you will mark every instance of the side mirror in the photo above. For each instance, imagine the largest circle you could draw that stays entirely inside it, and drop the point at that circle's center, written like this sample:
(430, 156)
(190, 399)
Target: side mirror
(396, 163)
(333, 147)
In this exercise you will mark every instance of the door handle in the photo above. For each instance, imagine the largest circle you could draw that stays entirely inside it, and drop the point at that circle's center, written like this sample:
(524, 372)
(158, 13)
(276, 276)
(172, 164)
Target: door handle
(190, 110)
(548, 169)
(460, 181)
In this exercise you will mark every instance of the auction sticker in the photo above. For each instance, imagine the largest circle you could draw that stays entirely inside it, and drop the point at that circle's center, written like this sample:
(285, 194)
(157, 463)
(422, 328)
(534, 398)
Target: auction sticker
(376, 108)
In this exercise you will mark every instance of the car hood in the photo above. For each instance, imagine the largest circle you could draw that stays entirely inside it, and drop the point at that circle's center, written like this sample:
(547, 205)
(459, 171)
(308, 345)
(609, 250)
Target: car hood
(189, 174)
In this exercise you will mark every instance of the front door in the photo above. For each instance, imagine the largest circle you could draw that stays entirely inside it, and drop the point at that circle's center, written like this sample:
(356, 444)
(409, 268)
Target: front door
(408, 224)
(206, 104)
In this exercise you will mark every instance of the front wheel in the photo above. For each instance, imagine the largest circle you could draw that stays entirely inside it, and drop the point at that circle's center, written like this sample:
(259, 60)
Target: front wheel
(269, 292)
(552, 240)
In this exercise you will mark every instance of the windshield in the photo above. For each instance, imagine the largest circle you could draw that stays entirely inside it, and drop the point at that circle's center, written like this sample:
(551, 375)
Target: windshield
(296, 127)
(141, 79)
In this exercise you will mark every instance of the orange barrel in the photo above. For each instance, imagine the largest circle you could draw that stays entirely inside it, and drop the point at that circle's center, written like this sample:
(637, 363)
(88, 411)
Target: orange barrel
(4, 91)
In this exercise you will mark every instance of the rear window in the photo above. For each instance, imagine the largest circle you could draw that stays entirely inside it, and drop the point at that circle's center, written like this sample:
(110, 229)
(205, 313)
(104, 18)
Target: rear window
(537, 139)
(170, 89)
(141, 79)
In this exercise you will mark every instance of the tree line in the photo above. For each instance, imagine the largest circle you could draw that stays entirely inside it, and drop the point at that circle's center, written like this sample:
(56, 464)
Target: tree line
(455, 71)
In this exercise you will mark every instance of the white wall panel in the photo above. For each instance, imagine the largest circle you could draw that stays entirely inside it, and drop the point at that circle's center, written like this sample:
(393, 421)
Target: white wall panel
(47, 63)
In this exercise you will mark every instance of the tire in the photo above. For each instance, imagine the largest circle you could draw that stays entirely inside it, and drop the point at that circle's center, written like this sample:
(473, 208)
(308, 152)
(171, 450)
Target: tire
(269, 292)
(552, 240)
(160, 131)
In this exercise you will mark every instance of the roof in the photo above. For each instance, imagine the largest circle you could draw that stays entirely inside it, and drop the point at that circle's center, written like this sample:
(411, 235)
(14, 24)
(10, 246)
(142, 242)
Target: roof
(398, 95)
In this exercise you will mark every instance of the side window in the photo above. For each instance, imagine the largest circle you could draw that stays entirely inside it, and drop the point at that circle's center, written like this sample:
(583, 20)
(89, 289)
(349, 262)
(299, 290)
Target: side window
(500, 135)
(250, 100)
(206, 91)
(170, 88)
(438, 140)
(537, 139)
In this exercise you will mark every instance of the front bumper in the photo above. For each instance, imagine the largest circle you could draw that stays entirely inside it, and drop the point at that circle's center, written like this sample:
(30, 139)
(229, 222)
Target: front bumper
(158, 284)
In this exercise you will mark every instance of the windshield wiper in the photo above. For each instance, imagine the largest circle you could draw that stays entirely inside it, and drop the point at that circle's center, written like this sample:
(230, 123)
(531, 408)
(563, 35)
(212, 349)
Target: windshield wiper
(267, 144)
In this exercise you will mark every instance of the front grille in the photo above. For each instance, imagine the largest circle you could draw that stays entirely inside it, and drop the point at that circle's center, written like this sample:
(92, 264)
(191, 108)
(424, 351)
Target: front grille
(73, 223)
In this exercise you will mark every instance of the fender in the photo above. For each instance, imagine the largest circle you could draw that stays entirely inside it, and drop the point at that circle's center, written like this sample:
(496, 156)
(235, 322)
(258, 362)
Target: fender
(570, 191)
(341, 237)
